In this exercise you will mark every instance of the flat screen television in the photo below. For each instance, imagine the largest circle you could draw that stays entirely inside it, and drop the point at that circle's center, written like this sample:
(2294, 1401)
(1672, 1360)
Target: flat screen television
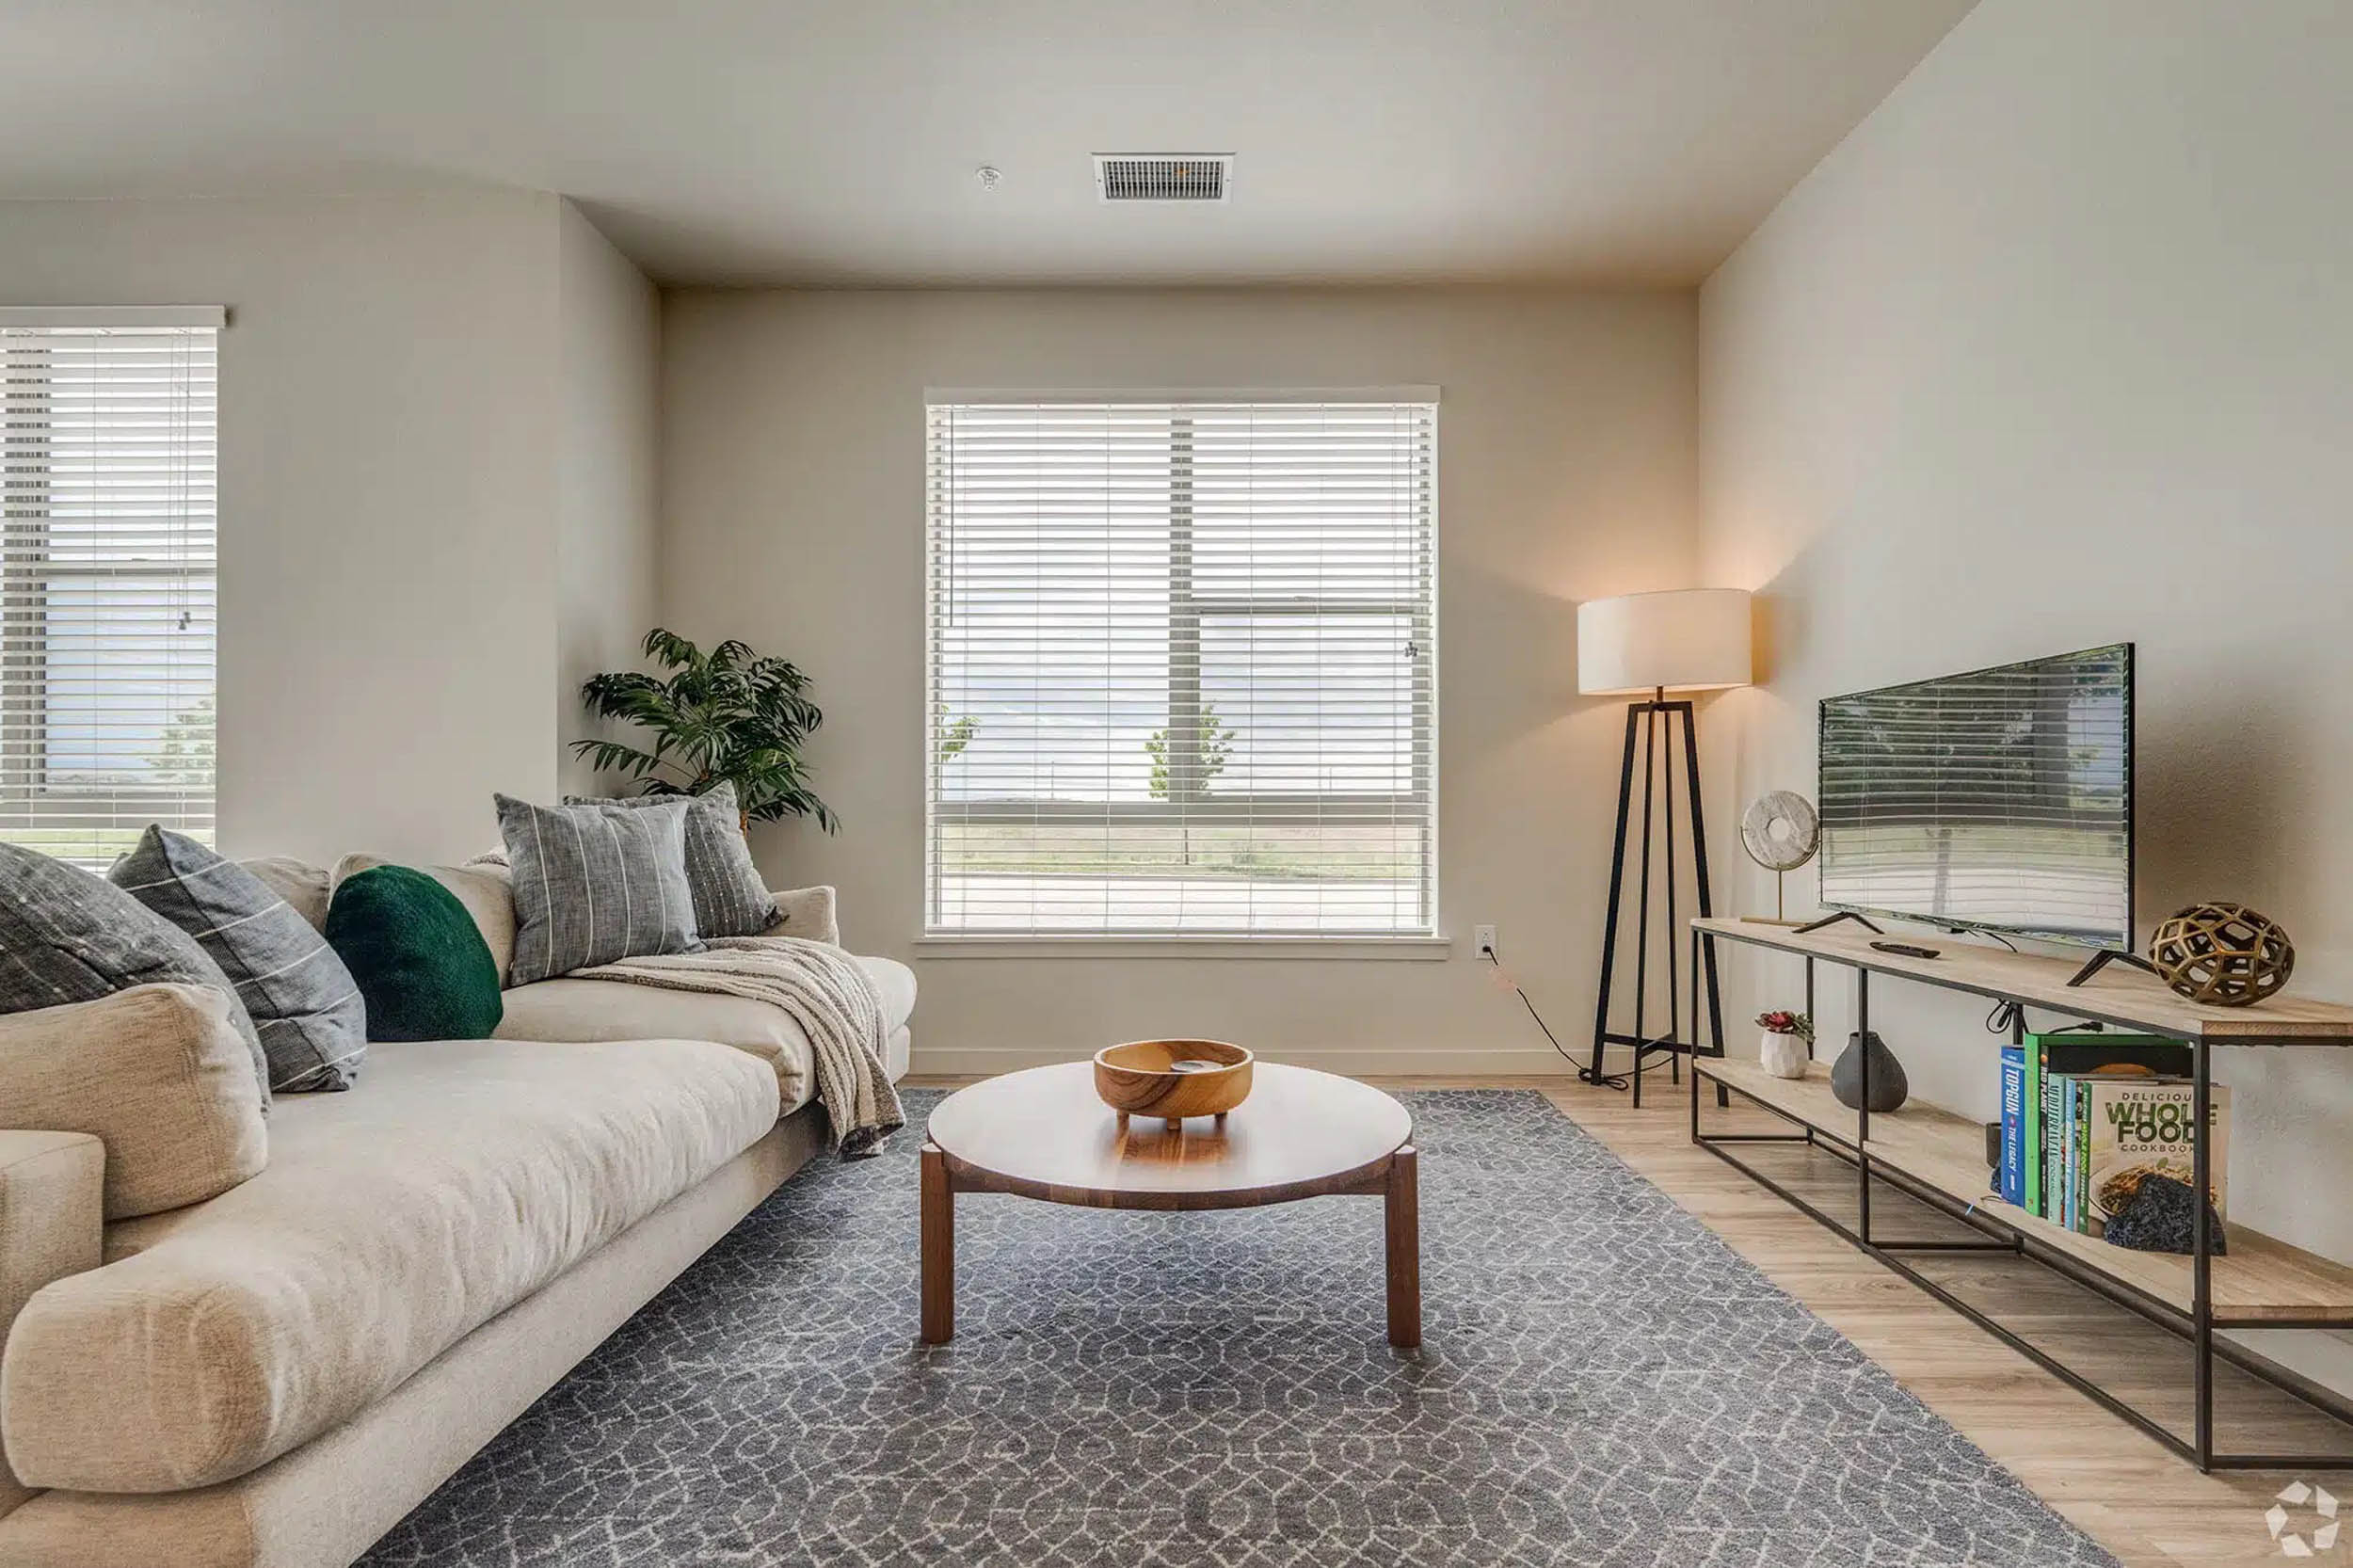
(2000, 800)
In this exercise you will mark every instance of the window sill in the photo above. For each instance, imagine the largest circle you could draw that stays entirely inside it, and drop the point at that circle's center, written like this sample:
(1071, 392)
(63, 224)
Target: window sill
(1349, 949)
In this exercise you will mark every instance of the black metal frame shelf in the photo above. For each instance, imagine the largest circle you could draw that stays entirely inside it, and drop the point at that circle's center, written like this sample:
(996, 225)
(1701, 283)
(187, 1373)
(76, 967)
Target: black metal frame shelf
(2197, 1323)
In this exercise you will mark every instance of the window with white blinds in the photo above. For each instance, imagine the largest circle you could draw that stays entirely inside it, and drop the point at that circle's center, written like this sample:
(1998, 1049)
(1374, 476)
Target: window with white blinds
(1182, 668)
(107, 567)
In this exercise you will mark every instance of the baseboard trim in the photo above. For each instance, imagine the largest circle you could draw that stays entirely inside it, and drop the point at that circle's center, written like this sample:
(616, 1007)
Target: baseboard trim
(946, 1061)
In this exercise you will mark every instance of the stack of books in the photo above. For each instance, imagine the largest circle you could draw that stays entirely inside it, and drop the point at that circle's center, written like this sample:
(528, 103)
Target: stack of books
(2087, 1117)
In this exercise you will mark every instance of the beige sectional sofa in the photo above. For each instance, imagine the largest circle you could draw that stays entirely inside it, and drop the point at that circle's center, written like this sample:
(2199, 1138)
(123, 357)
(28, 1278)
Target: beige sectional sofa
(272, 1377)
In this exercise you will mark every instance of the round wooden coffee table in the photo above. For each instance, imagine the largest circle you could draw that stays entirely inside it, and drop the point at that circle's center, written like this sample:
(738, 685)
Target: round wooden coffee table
(1044, 1134)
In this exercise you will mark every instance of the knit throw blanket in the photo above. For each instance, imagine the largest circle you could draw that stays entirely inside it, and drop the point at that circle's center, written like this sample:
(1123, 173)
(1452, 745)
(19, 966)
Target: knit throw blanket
(826, 992)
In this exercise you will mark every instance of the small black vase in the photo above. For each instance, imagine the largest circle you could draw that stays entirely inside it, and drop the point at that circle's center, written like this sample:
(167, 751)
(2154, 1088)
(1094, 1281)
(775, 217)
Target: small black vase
(1888, 1087)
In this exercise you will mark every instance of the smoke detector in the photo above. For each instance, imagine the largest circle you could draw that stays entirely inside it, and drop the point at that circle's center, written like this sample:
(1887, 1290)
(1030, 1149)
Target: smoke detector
(1163, 176)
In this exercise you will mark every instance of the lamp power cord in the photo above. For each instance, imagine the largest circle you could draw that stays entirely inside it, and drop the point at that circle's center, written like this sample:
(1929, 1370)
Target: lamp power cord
(1503, 976)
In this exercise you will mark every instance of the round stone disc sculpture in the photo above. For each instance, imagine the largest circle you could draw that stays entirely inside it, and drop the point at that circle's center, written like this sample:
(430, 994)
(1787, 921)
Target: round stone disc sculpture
(1780, 830)
(2222, 954)
(1781, 833)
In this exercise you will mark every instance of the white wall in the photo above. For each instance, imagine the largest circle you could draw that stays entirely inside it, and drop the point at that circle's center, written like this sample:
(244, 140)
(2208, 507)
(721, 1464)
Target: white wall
(793, 518)
(2054, 351)
(394, 505)
(609, 333)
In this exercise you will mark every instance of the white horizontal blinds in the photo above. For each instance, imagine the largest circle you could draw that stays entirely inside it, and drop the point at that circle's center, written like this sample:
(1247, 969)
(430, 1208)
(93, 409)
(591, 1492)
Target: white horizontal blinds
(108, 459)
(1183, 661)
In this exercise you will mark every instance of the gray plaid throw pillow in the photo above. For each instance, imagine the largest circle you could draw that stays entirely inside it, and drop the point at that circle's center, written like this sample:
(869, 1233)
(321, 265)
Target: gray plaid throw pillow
(730, 899)
(305, 1005)
(66, 935)
(595, 884)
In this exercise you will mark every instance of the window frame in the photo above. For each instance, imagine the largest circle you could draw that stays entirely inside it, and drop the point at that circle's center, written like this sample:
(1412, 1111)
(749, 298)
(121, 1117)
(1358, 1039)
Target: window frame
(1187, 611)
(32, 787)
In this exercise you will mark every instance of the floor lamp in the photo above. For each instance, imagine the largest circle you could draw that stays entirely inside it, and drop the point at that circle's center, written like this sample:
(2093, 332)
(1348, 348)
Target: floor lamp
(1648, 645)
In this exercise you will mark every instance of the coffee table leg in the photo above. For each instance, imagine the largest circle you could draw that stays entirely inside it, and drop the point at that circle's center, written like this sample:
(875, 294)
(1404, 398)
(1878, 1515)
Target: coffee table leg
(939, 1249)
(1404, 1246)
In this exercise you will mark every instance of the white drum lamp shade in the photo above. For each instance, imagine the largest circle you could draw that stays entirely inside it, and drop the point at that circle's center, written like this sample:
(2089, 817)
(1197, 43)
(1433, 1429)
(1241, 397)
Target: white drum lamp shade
(1683, 640)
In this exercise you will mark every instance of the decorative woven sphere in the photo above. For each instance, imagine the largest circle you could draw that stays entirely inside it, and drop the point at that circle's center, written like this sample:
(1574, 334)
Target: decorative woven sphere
(2222, 954)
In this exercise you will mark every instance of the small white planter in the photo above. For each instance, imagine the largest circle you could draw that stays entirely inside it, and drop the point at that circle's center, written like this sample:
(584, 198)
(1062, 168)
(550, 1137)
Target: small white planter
(1783, 1055)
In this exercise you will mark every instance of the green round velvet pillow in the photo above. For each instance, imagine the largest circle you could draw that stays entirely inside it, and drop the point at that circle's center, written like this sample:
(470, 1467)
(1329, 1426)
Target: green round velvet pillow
(421, 963)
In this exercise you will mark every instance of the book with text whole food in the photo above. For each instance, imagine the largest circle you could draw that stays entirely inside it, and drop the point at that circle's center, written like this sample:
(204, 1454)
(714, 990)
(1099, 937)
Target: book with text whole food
(2132, 1128)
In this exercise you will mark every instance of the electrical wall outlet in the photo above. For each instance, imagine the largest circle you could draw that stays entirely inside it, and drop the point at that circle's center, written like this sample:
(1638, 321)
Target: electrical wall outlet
(1484, 940)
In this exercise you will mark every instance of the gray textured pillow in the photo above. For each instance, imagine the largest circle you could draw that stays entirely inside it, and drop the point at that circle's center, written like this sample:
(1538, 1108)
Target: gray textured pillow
(305, 1005)
(66, 935)
(730, 899)
(596, 882)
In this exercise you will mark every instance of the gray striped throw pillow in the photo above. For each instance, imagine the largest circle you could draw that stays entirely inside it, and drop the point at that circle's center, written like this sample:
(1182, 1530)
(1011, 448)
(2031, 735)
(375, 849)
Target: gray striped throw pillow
(305, 1005)
(66, 935)
(730, 899)
(596, 882)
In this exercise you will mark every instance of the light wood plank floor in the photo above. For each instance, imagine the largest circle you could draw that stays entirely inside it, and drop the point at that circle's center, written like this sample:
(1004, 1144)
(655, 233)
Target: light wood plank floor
(2144, 1505)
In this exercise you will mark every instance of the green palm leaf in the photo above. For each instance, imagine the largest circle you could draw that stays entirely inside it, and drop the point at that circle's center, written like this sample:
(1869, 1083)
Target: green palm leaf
(729, 716)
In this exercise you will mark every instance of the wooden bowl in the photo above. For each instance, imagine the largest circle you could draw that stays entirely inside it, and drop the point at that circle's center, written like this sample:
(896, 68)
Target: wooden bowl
(1172, 1078)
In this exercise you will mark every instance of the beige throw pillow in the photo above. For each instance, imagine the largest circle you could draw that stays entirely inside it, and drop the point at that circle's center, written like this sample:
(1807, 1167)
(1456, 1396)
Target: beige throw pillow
(304, 887)
(807, 913)
(157, 1073)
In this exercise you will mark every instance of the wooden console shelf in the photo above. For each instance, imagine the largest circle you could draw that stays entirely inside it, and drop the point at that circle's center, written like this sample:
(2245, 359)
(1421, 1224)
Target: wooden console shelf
(2260, 1279)
(2119, 996)
(1939, 1159)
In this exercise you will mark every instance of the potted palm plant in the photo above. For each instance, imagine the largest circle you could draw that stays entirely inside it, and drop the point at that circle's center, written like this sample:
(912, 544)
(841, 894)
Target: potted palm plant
(727, 716)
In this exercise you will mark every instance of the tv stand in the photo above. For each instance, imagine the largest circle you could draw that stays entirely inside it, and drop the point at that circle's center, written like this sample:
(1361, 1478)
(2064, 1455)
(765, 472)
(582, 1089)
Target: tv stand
(1936, 1159)
(1832, 920)
(2102, 959)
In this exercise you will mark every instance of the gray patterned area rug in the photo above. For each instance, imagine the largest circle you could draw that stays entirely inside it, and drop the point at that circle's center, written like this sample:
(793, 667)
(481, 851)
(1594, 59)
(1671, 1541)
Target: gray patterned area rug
(1604, 1383)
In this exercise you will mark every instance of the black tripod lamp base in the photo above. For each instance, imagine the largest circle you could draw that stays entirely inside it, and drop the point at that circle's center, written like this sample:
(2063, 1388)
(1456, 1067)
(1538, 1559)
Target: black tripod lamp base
(1655, 725)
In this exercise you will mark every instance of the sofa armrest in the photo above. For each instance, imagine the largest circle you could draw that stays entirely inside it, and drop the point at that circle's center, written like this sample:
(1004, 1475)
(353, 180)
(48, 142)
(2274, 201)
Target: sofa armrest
(52, 1225)
(808, 913)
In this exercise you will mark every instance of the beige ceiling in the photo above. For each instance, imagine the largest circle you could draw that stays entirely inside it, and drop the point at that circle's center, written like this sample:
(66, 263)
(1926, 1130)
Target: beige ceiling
(738, 142)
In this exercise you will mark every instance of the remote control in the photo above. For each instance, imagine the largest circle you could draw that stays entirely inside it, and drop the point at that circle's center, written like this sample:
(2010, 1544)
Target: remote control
(1906, 949)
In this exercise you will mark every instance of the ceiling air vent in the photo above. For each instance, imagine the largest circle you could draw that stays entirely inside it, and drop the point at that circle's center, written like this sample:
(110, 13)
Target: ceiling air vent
(1163, 176)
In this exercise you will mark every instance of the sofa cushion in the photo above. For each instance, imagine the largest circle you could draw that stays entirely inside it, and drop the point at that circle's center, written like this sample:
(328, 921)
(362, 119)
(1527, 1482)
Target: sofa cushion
(576, 1009)
(419, 960)
(595, 884)
(895, 984)
(305, 1005)
(51, 1215)
(157, 1074)
(730, 899)
(71, 936)
(462, 1177)
(485, 888)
